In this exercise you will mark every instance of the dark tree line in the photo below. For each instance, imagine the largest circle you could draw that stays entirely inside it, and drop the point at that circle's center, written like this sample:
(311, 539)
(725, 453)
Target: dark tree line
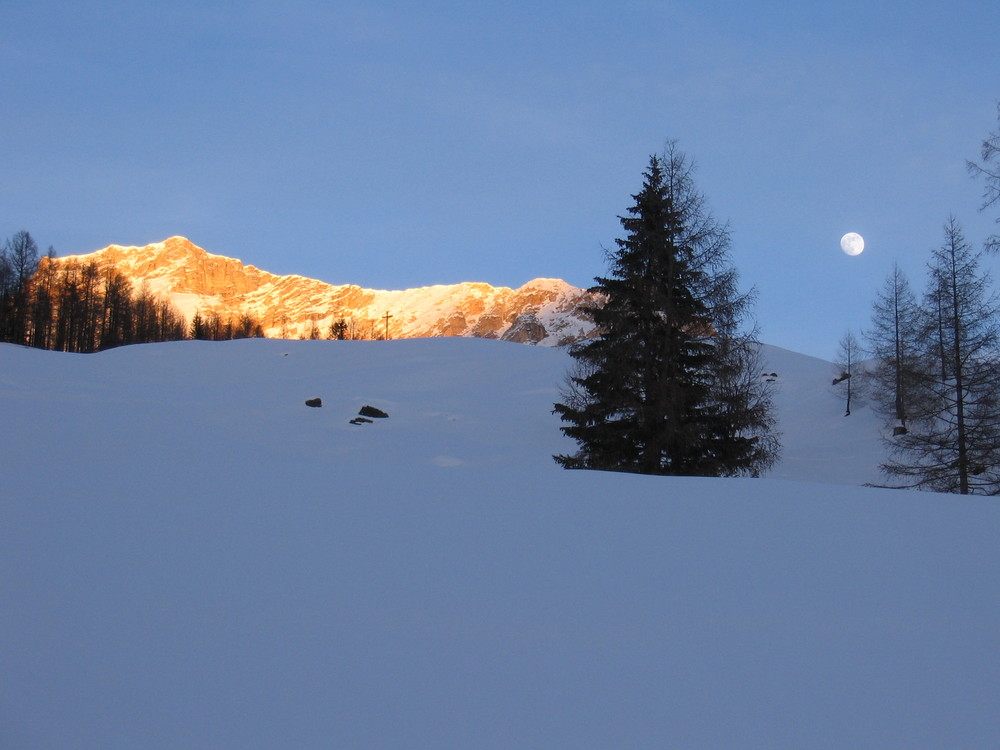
(213, 327)
(672, 384)
(355, 329)
(77, 307)
(18, 263)
(936, 378)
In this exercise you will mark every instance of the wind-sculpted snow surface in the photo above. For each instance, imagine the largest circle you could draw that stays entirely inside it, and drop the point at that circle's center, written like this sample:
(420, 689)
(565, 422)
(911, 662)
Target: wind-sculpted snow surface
(191, 557)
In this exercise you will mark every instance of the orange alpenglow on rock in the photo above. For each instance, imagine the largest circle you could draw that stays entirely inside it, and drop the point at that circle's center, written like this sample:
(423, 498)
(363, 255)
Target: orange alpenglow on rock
(542, 311)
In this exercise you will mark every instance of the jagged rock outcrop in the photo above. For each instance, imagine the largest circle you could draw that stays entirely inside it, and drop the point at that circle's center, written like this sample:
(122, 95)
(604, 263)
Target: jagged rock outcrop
(526, 329)
(543, 311)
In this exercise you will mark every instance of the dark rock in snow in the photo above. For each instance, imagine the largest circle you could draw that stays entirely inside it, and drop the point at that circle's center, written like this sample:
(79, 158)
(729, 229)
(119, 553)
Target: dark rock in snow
(314, 402)
(371, 411)
(361, 420)
(526, 329)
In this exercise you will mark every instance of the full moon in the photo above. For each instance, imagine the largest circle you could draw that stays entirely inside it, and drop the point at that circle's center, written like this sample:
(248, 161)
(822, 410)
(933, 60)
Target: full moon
(852, 243)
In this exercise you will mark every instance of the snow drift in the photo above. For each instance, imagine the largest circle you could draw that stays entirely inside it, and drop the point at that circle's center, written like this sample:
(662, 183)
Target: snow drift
(191, 557)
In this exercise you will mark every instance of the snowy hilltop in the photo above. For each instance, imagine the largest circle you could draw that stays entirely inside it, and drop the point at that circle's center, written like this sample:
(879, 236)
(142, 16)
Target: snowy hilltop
(193, 557)
(542, 311)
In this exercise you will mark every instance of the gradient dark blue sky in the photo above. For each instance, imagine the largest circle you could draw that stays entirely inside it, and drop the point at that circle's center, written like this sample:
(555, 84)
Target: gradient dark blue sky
(402, 144)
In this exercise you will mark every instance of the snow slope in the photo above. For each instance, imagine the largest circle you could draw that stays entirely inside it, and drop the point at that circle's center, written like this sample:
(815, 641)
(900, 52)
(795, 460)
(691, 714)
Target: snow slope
(192, 558)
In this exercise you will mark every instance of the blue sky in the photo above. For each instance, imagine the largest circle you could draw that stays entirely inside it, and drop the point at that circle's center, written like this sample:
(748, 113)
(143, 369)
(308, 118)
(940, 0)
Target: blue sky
(403, 144)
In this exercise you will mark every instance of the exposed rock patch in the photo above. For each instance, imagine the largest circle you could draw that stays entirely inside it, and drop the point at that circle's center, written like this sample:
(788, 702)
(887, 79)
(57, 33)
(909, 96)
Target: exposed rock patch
(526, 329)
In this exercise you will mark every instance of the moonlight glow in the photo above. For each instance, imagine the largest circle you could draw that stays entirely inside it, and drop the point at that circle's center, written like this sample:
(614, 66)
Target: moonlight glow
(852, 243)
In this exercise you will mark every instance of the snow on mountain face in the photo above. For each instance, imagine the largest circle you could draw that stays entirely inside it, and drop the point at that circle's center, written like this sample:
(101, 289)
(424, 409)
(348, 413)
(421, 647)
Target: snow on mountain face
(543, 311)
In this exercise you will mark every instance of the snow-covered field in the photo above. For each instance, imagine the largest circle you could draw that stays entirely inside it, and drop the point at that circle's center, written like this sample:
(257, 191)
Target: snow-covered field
(192, 558)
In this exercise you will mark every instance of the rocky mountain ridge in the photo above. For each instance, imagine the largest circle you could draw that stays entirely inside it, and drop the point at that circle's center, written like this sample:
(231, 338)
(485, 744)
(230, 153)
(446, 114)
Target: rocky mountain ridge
(542, 311)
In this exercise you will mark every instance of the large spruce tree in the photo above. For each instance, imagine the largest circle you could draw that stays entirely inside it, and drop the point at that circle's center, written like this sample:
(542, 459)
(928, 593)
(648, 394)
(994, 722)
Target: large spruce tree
(672, 385)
